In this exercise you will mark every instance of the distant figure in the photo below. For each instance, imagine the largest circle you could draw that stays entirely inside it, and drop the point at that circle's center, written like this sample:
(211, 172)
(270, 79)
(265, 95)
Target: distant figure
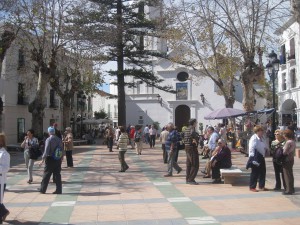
(163, 137)
(153, 134)
(122, 146)
(29, 142)
(146, 134)
(68, 146)
(57, 131)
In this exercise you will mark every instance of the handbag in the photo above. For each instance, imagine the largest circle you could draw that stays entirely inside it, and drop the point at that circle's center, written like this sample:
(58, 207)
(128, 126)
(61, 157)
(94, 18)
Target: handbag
(35, 152)
(180, 145)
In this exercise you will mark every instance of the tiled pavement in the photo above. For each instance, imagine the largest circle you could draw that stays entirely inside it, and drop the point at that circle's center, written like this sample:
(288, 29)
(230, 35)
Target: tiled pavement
(94, 192)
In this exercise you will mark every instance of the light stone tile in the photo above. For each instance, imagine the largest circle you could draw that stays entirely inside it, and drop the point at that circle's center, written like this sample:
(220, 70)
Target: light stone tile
(63, 203)
(201, 220)
(179, 199)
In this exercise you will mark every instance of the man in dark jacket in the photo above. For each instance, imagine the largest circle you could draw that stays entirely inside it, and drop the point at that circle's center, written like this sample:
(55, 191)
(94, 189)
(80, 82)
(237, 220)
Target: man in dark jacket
(221, 160)
(52, 165)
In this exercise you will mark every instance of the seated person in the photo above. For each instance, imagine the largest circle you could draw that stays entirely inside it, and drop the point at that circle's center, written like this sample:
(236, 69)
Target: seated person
(207, 170)
(220, 160)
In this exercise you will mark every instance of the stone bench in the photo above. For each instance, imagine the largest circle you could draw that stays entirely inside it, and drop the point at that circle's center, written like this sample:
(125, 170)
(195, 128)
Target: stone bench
(79, 142)
(230, 174)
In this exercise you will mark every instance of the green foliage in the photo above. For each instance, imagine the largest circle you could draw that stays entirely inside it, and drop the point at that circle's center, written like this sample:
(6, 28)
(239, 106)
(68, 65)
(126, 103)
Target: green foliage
(101, 114)
(156, 125)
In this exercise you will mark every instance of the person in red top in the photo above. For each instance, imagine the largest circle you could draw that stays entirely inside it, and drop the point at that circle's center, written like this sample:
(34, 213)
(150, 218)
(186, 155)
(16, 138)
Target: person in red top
(131, 136)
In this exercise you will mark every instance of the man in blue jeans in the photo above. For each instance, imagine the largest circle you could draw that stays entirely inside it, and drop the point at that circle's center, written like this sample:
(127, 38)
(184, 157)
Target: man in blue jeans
(51, 165)
(171, 148)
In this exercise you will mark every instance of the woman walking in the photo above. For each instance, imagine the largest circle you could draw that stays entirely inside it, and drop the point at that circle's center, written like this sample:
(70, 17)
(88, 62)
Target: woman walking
(288, 162)
(68, 146)
(29, 142)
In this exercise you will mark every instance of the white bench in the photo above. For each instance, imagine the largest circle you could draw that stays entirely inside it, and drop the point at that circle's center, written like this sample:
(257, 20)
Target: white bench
(79, 142)
(230, 174)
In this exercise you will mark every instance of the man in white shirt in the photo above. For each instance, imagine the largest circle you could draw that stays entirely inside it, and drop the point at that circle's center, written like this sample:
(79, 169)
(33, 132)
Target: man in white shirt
(213, 137)
(146, 134)
(163, 137)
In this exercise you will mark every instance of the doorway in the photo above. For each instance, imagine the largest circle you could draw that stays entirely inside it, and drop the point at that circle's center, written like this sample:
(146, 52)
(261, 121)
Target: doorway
(182, 116)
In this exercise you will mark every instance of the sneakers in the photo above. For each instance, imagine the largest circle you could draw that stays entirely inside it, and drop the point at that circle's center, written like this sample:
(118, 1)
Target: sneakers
(29, 181)
(253, 190)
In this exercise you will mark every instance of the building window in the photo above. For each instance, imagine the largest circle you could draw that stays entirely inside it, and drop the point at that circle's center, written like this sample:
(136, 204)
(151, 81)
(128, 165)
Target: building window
(21, 59)
(21, 129)
(293, 78)
(292, 49)
(182, 76)
(141, 120)
(21, 95)
(53, 101)
(283, 82)
(282, 55)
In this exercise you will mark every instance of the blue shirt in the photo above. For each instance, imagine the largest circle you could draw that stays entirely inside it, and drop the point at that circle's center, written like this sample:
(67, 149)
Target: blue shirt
(172, 138)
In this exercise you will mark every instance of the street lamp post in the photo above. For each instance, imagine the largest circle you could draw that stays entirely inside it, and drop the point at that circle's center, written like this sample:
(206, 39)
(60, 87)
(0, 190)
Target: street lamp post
(273, 68)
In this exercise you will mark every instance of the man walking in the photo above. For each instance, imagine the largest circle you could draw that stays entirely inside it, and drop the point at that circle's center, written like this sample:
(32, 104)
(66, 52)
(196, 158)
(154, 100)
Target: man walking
(171, 148)
(163, 137)
(192, 155)
(52, 165)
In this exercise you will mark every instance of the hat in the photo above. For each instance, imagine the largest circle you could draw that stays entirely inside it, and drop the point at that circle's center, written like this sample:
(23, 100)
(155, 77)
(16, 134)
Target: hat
(51, 130)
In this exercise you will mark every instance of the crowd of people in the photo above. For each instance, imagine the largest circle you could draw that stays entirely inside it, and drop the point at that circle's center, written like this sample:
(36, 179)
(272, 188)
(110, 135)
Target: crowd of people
(212, 143)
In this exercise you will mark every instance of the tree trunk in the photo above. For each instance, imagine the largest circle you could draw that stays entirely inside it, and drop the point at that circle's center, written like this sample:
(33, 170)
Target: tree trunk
(248, 93)
(120, 62)
(296, 9)
(37, 106)
(66, 112)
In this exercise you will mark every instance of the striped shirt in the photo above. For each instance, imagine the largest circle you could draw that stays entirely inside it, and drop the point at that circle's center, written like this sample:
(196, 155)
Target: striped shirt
(123, 142)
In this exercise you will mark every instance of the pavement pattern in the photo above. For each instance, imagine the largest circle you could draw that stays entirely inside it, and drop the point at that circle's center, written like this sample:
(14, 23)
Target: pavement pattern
(94, 192)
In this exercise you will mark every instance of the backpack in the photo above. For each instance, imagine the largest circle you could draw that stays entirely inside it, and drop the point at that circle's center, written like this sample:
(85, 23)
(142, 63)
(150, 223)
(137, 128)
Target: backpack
(57, 154)
(137, 137)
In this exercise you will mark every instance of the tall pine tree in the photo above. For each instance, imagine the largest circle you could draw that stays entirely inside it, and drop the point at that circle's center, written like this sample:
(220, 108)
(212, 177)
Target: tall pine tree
(117, 30)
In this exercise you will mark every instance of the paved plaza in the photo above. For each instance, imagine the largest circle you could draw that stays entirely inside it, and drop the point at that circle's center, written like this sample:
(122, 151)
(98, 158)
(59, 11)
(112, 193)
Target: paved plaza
(94, 192)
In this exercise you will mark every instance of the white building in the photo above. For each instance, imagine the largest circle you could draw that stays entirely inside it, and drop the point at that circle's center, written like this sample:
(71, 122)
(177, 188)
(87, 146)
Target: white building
(194, 98)
(17, 90)
(288, 74)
